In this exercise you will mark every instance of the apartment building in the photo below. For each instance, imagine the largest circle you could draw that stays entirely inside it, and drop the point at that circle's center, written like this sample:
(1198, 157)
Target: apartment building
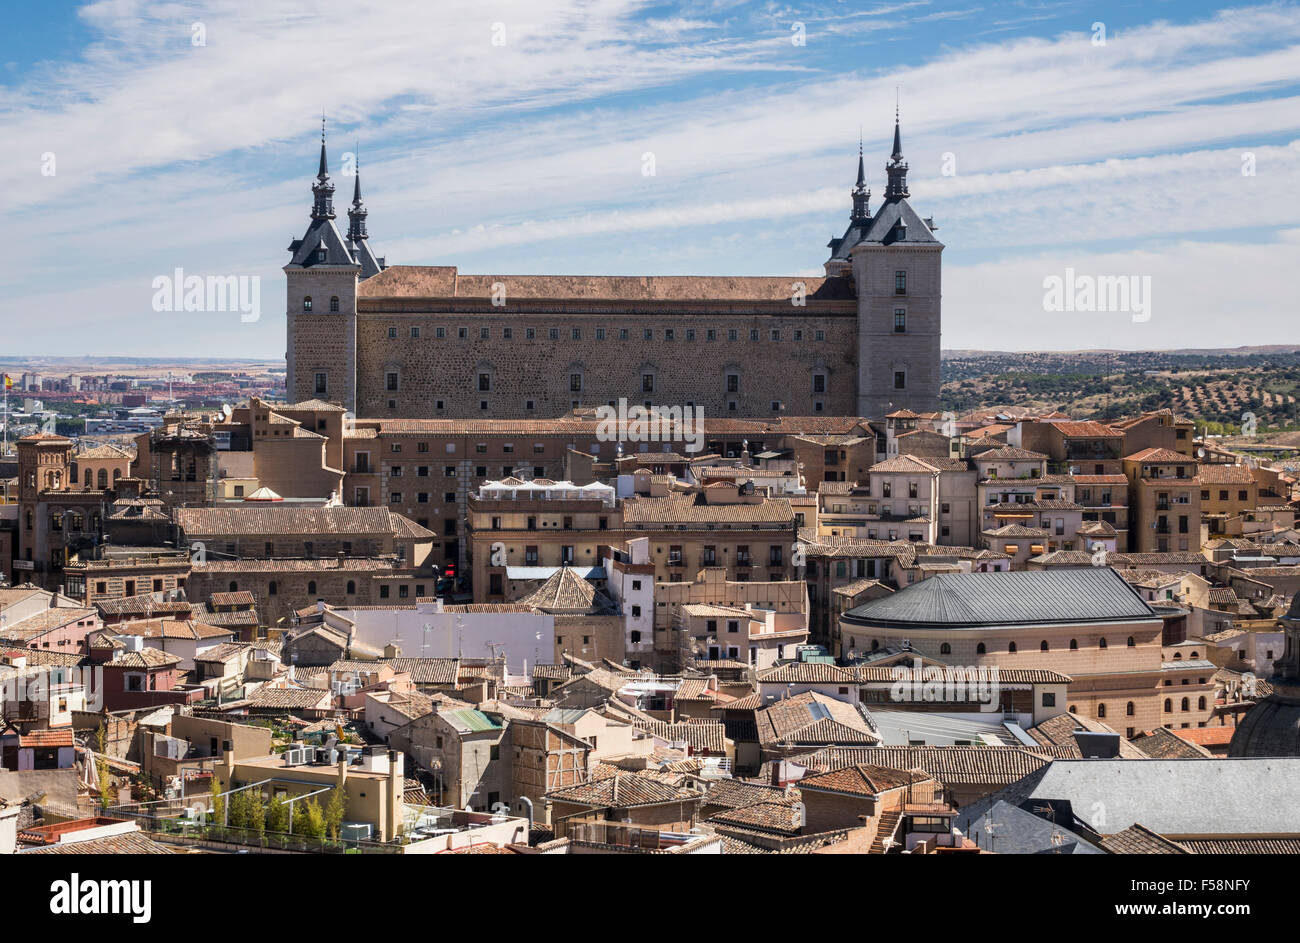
(1165, 501)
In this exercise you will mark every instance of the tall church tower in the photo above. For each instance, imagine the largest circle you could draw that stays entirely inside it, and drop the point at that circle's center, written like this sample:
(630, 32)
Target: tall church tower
(896, 264)
(322, 278)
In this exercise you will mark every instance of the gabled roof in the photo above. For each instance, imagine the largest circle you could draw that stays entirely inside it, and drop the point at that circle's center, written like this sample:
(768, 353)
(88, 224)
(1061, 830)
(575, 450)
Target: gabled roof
(862, 779)
(1160, 457)
(622, 791)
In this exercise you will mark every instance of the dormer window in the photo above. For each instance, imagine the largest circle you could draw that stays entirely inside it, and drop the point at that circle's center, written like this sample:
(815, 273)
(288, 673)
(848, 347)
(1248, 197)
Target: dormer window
(321, 253)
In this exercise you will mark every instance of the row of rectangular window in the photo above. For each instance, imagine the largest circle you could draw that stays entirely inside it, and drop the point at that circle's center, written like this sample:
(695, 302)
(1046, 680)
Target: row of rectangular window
(553, 333)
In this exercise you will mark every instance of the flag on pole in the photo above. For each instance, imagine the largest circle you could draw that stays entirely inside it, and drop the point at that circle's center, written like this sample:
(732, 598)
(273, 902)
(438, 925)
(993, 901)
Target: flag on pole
(9, 382)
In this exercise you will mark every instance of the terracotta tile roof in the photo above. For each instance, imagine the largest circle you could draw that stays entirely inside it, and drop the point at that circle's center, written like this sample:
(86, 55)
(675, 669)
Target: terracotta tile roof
(58, 737)
(48, 620)
(691, 509)
(255, 521)
(1242, 846)
(1009, 453)
(701, 737)
(566, 591)
(289, 698)
(807, 672)
(952, 766)
(1085, 429)
(242, 598)
(1218, 736)
(1215, 473)
(1157, 456)
(143, 604)
(144, 658)
(863, 780)
(891, 673)
(1165, 744)
(443, 671)
(435, 281)
(622, 791)
(169, 628)
(779, 816)
(814, 719)
(850, 590)
(130, 843)
(736, 793)
(1140, 840)
(227, 651)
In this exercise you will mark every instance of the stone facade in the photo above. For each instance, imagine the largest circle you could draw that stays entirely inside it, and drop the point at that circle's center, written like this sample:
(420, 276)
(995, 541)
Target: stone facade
(430, 342)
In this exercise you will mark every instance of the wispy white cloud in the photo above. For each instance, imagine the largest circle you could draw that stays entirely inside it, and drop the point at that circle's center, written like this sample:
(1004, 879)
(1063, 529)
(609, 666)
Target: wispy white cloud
(530, 154)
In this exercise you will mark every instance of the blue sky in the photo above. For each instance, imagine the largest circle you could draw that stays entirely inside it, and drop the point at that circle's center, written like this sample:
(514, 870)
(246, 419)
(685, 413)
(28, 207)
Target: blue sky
(527, 157)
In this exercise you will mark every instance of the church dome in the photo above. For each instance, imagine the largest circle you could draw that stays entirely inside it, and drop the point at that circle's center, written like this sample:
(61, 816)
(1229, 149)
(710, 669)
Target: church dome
(1270, 728)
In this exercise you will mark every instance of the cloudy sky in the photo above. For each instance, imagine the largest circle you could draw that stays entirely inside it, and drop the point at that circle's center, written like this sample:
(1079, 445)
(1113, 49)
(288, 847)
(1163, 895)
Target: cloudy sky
(511, 137)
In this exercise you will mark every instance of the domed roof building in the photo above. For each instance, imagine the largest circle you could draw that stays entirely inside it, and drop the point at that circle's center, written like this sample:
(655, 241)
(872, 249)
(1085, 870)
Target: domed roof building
(1272, 727)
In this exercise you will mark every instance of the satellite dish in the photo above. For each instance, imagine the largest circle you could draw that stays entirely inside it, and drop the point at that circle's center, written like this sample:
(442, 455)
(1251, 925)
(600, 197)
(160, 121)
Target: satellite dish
(1200, 452)
(227, 411)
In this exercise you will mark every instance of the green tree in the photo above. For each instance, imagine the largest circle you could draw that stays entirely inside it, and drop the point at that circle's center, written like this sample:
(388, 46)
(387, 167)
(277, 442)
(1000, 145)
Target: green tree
(334, 812)
(277, 816)
(218, 801)
(313, 819)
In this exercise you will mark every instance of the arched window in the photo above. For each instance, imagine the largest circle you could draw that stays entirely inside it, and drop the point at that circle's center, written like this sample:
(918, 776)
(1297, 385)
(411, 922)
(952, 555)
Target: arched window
(1011, 648)
(1169, 706)
(945, 649)
(117, 474)
(1194, 655)
(1187, 705)
(874, 644)
(234, 587)
(273, 588)
(1101, 710)
(1178, 656)
(306, 303)
(1130, 709)
(1101, 642)
(1074, 709)
(1074, 644)
(1131, 642)
(311, 587)
(101, 478)
(980, 649)
(1200, 703)
(334, 302)
(1042, 646)
(352, 587)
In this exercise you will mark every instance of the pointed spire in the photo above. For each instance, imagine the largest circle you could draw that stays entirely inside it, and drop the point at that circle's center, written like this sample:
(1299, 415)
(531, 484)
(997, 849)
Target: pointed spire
(322, 189)
(357, 215)
(896, 167)
(324, 171)
(861, 195)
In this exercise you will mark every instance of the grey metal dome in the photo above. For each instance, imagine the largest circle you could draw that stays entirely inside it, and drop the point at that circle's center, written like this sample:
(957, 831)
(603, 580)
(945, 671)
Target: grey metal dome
(1270, 728)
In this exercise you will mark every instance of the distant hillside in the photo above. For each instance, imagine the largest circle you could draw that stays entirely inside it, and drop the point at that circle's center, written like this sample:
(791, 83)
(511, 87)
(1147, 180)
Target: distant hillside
(1213, 386)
